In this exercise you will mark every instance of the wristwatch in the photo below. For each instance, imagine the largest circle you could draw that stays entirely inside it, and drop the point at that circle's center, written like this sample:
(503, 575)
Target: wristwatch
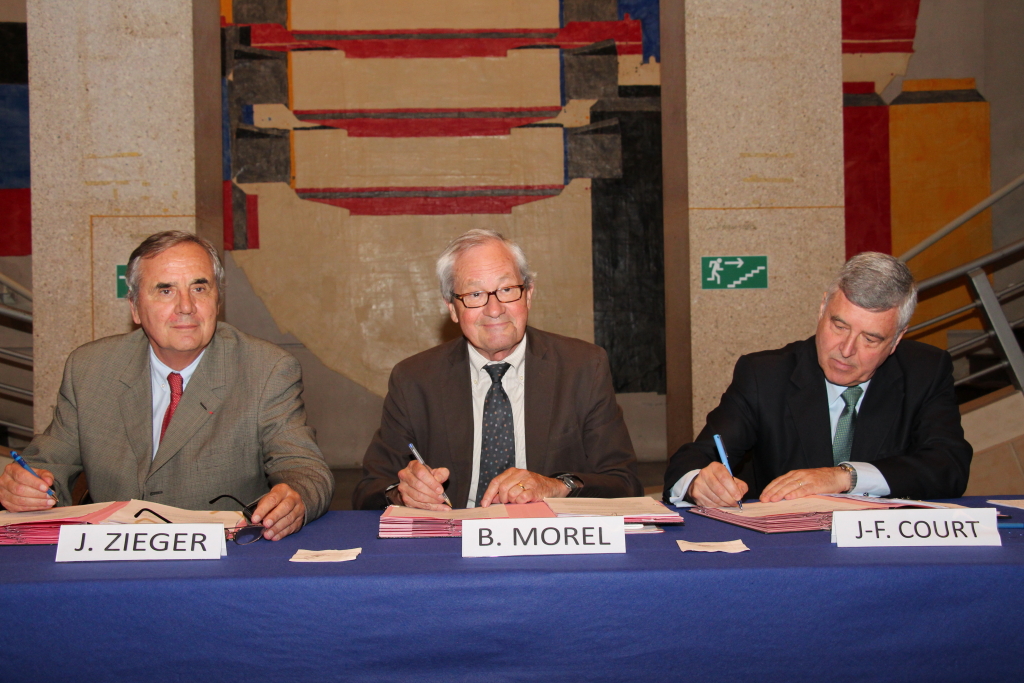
(853, 475)
(572, 482)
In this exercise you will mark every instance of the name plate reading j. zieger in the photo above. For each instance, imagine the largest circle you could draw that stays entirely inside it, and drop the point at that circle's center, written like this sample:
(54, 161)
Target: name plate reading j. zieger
(543, 536)
(106, 542)
(879, 528)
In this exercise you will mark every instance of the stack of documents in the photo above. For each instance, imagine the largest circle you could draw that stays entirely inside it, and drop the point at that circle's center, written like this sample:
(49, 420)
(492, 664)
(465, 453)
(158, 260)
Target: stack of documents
(403, 522)
(812, 513)
(42, 527)
(640, 514)
(641, 510)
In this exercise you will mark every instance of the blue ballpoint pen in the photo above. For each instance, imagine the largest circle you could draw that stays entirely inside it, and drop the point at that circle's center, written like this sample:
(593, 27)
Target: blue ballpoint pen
(725, 460)
(422, 462)
(1010, 525)
(21, 461)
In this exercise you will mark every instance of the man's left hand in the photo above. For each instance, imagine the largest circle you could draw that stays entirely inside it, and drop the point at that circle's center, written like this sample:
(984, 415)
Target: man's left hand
(800, 483)
(522, 486)
(281, 511)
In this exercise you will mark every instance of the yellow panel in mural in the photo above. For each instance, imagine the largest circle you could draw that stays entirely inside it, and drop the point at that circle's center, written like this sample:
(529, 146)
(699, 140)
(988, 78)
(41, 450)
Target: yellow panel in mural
(332, 159)
(361, 293)
(408, 15)
(939, 155)
(328, 80)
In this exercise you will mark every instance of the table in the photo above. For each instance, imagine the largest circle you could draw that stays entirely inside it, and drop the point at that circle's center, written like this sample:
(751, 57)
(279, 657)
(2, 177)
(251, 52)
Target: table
(795, 608)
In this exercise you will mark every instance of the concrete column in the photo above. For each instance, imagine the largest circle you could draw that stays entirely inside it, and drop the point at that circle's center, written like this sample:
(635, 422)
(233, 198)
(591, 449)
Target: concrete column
(765, 175)
(126, 141)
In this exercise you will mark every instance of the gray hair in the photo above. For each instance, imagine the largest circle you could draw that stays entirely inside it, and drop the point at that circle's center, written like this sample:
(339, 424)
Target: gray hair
(465, 242)
(877, 282)
(157, 244)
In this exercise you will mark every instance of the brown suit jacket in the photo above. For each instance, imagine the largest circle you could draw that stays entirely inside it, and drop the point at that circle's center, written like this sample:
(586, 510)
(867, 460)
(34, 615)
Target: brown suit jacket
(573, 423)
(240, 427)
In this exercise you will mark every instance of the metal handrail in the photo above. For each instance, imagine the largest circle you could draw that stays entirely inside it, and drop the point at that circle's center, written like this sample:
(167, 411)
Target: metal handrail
(17, 427)
(11, 389)
(980, 262)
(15, 313)
(14, 355)
(963, 218)
(16, 286)
(1001, 295)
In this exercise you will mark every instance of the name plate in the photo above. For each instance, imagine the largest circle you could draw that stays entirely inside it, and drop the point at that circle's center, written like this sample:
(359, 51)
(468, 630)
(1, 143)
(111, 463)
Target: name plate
(543, 536)
(106, 542)
(908, 527)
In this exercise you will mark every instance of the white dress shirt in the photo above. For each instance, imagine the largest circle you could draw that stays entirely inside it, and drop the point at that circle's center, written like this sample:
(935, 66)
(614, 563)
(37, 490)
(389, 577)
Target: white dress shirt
(162, 390)
(870, 481)
(514, 384)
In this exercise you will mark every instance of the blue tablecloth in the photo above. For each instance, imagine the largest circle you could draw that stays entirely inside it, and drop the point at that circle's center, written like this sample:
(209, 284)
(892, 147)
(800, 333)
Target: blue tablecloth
(794, 608)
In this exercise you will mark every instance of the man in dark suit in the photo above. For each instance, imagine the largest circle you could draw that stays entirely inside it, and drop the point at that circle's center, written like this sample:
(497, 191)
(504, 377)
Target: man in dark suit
(850, 410)
(507, 414)
(182, 410)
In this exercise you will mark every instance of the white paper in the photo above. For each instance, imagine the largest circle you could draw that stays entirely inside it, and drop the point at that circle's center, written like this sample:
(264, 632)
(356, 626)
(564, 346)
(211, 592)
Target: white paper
(1018, 503)
(325, 555)
(737, 546)
(105, 543)
(916, 527)
(551, 536)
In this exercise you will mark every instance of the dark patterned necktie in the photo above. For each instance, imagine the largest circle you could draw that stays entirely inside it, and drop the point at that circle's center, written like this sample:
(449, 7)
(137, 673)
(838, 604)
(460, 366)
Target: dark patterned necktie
(842, 444)
(174, 380)
(497, 438)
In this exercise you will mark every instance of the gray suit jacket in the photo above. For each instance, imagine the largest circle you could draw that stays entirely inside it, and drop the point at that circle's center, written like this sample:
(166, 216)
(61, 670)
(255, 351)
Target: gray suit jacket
(573, 422)
(240, 427)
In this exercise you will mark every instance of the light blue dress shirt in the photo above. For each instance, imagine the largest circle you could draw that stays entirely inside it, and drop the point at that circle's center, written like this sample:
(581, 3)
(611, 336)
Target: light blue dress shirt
(870, 481)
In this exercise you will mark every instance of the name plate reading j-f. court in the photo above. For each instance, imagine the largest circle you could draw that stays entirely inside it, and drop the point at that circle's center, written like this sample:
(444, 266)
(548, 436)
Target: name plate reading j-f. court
(543, 536)
(106, 542)
(880, 528)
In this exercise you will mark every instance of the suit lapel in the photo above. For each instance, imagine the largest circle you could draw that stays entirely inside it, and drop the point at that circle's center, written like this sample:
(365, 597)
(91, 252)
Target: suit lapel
(136, 404)
(198, 403)
(878, 412)
(539, 397)
(808, 409)
(458, 414)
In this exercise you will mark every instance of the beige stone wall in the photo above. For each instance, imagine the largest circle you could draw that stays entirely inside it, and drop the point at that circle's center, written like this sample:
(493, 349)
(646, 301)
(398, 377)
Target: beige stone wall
(765, 151)
(119, 138)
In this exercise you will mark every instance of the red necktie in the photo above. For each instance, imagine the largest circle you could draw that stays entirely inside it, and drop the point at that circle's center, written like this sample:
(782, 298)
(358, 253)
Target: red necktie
(174, 379)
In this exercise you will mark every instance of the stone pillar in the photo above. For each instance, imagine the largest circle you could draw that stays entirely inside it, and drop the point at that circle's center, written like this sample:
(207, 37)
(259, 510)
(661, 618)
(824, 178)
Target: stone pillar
(765, 177)
(125, 141)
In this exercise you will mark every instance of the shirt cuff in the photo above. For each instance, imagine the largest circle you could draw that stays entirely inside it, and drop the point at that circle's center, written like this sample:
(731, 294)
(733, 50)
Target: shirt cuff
(677, 493)
(870, 482)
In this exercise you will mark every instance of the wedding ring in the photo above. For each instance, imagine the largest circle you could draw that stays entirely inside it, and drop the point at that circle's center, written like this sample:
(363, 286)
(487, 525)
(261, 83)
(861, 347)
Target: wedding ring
(520, 485)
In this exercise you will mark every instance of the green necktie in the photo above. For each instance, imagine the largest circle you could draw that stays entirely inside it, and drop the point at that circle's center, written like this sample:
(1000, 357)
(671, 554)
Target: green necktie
(843, 443)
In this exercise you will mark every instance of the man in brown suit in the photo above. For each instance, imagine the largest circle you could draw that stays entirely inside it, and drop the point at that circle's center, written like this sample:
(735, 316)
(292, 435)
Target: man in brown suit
(180, 411)
(509, 414)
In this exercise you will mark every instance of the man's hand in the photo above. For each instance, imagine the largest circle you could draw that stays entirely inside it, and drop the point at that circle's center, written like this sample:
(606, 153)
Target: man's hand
(281, 511)
(420, 486)
(20, 491)
(714, 487)
(522, 486)
(800, 483)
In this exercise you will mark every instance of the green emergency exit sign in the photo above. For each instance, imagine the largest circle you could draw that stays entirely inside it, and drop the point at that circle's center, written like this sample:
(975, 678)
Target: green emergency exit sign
(122, 283)
(733, 272)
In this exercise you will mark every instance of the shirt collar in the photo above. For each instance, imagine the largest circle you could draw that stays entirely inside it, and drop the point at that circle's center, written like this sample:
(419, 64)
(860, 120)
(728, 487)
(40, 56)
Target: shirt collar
(160, 371)
(836, 390)
(515, 359)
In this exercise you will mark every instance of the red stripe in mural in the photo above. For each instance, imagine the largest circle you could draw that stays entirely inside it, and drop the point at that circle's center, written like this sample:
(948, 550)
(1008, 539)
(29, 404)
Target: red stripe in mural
(16, 222)
(879, 19)
(866, 151)
(252, 222)
(229, 217)
(428, 206)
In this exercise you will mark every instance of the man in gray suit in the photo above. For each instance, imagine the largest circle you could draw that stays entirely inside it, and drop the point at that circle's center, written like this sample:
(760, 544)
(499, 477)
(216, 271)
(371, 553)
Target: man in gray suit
(504, 414)
(181, 411)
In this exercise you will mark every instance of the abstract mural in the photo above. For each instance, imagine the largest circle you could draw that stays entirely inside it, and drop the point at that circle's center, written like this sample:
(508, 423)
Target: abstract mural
(360, 137)
(15, 192)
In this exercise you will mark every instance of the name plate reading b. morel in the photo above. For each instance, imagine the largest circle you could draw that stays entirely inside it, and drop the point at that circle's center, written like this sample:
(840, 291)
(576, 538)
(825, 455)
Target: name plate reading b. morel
(106, 542)
(543, 536)
(907, 527)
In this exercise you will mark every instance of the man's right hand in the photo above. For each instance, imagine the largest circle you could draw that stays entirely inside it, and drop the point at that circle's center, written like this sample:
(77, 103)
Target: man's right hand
(715, 487)
(420, 487)
(20, 491)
